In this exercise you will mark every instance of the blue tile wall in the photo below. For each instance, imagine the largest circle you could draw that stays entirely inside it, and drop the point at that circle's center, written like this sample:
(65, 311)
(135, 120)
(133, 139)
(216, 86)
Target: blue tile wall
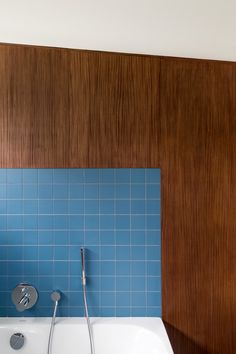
(46, 215)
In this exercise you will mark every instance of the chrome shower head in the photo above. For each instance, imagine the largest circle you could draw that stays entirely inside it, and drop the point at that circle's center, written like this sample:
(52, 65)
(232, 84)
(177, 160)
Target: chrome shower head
(82, 255)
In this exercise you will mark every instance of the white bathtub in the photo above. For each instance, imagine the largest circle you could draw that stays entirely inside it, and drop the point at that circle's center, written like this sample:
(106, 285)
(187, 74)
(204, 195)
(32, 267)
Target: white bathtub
(111, 336)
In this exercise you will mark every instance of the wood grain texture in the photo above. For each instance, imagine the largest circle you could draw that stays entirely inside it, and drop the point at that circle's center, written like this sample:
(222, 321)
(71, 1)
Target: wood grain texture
(198, 160)
(71, 108)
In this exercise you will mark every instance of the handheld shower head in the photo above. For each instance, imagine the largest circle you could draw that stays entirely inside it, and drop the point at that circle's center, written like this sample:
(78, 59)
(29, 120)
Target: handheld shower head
(82, 255)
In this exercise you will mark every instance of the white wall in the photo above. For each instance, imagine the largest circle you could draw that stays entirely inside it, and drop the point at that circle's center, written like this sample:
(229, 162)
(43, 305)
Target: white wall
(189, 28)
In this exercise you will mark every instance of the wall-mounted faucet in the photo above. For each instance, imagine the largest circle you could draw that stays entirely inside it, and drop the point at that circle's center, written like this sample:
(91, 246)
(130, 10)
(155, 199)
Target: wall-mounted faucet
(24, 296)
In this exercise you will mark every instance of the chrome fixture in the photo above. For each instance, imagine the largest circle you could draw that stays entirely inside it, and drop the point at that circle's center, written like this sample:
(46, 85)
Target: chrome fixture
(56, 297)
(17, 341)
(83, 277)
(24, 296)
(83, 281)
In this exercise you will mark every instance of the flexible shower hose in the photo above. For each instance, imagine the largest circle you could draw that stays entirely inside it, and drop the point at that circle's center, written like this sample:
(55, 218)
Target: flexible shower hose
(52, 328)
(88, 320)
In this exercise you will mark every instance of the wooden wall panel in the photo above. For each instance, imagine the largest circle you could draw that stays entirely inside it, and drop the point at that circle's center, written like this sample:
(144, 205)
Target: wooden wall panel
(71, 108)
(198, 160)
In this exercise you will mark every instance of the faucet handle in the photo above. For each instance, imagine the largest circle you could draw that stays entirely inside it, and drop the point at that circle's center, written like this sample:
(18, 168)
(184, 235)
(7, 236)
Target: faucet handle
(24, 296)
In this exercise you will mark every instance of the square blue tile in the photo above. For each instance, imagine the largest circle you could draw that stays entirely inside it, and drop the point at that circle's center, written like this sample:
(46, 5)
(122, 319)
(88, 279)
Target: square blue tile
(91, 206)
(30, 206)
(45, 175)
(61, 253)
(123, 299)
(153, 222)
(45, 253)
(60, 222)
(108, 253)
(122, 206)
(154, 298)
(30, 175)
(107, 175)
(76, 206)
(30, 191)
(45, 222)
(76, 175)
(61, 237)
(30, 237)
(45, 267)
(61, 268)
(91, 191)
(122, 222)
(138, 238)
(107, 206)
(138, 283)
(123, 175)
(45, 237)
(153, 175)
(30, 222)
(107, 191)
(15, 237)
(14, 206)
(153, 191)
(15, 253)
(108, 268)
(45, 191)
(60, 191)
(76, 222)
(108, 283)
(122, 191)
(137, 175)
(153, 253)
(14, 222)
(138, 253)
(14, 191)
(153, 206)
(3, 175)
(138, 207)
(123, 283)
(153, 237)
(138, 268)
(3, 191)
(138, 191)
(60, 175)
(154, 268)
(14, 175)
(77, 237)
(91, 175)
(107, 237)
(138, 298)
(76, 191)
(108, 298)
(45, 206)
(123, 238)
(138, 222)
(92, 237)
(107, 222)
(122, 253)
(154, 283)
(91, 222)
(31, 253)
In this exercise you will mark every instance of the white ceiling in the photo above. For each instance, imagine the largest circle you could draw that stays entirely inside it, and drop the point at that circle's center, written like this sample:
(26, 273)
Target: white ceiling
(188, 28)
